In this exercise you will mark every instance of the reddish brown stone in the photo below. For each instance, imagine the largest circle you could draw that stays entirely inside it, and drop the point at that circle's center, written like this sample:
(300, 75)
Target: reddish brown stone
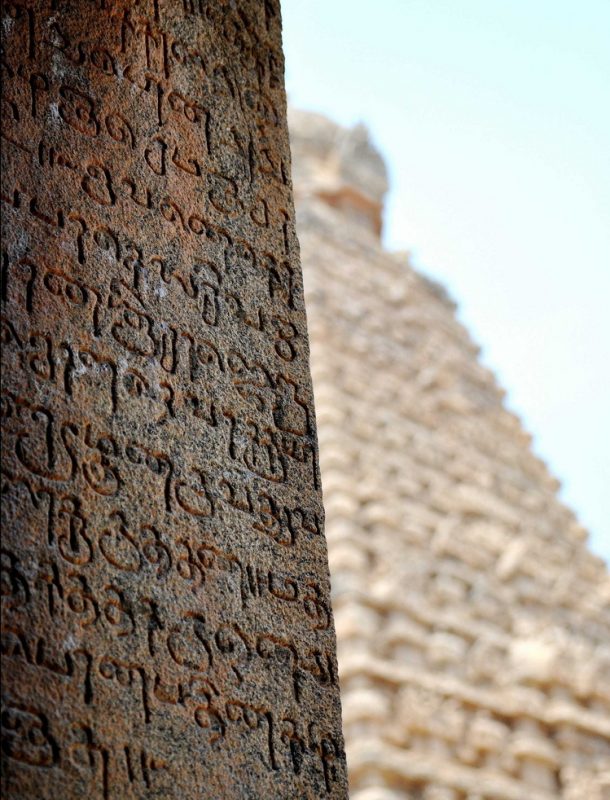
(167, 630)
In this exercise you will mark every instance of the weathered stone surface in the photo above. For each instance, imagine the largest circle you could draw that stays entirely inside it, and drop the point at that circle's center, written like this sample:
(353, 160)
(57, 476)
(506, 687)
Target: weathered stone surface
(166, 622)
(473, 624)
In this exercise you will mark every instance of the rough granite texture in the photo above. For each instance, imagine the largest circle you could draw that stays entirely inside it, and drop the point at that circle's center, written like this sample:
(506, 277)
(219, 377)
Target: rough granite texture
(167, 630)
(473, 623)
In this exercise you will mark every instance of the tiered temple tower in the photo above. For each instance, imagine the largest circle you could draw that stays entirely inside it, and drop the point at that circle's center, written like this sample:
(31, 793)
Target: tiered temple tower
(473, 622)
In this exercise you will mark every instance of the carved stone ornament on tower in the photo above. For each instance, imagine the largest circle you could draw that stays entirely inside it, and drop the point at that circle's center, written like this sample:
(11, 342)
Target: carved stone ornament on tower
(166, 626)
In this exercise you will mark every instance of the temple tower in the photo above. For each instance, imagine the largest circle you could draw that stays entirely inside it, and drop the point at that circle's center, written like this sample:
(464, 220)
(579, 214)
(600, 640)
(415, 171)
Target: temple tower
(473, 623)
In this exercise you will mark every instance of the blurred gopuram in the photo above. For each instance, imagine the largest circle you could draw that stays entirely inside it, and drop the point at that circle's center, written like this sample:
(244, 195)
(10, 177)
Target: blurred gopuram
(473, 623)
(166, 624)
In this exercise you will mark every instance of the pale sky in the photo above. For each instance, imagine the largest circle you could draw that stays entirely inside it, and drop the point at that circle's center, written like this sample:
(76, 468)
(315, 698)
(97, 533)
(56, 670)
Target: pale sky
(494, 119)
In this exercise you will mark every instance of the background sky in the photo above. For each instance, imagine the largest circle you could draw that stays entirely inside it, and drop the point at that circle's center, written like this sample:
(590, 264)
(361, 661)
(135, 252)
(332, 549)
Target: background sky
(494, 119)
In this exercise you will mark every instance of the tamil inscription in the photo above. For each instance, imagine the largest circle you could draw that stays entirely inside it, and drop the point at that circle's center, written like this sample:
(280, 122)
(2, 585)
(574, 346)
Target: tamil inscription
(166, 623)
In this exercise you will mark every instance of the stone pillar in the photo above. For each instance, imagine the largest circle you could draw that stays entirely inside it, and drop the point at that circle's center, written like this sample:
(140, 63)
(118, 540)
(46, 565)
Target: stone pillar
(167, 630)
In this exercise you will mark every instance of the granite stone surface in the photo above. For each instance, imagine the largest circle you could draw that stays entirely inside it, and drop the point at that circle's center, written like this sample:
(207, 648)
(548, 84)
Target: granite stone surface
(166, 627)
